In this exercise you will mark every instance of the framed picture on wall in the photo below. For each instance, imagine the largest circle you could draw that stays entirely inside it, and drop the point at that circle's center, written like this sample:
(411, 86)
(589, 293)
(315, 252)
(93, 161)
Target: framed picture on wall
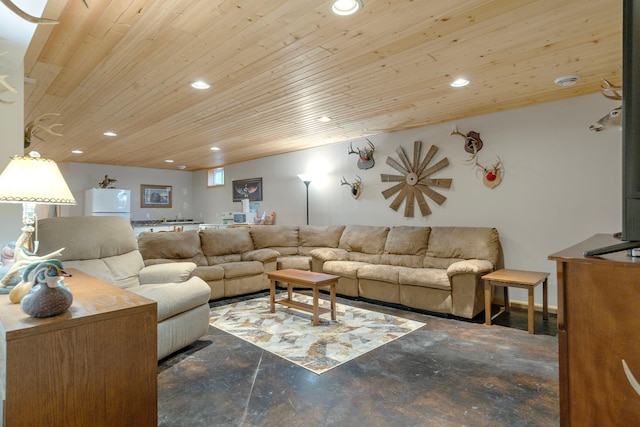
(247, 189)
(155, 196)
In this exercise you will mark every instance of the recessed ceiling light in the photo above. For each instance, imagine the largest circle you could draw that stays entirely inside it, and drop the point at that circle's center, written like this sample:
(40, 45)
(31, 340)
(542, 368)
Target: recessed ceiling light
(565, 81)
(182, 167)
(214, 148)
(459, 82)
(324, 119)
(110, 134)
(168, 161)
(199, 84)
(77, 151)
(345, 7)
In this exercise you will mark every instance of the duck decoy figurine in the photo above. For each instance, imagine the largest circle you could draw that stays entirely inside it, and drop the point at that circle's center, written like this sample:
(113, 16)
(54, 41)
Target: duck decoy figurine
(48, 296)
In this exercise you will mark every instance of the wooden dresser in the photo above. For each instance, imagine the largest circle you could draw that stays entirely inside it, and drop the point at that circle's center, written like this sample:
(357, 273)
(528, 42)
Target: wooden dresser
(598, 327)
(94, 365)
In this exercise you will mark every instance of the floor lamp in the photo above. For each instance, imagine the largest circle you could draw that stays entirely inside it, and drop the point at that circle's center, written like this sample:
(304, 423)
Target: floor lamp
(306, 178)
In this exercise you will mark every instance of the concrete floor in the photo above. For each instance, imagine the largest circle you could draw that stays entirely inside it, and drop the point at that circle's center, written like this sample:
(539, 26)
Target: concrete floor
(447, 373)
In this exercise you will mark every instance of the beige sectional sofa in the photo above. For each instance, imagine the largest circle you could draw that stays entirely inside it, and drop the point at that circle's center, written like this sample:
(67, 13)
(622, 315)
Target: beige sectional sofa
(431, 268)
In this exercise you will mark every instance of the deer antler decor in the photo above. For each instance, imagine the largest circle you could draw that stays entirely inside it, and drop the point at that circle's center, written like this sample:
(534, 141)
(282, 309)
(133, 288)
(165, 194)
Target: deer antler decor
(32, 128)
(492, 176)
(24, 15)
(356, 186)
(614, 117)
(5, 86)
(472, 141)
(365, 156)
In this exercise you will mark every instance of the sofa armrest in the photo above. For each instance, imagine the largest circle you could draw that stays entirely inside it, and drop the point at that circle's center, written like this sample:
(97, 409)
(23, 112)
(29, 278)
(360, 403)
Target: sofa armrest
(321, 255)
(330, 254)
(473, 266)
(166, 273)
(467, 288)
(264, 255)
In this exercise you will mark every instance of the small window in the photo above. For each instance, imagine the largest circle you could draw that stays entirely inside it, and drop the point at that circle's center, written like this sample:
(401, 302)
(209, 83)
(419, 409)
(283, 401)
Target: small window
(215, 177)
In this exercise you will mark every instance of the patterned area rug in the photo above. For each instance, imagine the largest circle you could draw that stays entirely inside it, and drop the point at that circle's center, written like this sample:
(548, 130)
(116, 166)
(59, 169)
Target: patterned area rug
(288, 333)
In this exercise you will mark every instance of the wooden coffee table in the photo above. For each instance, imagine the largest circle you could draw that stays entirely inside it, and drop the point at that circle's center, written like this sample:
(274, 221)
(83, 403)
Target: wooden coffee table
(307, 279)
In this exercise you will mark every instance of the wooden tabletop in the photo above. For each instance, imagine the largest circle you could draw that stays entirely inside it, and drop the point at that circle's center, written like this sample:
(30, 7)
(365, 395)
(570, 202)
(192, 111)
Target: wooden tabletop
(91, 296)
(302, 277)
(516, 276)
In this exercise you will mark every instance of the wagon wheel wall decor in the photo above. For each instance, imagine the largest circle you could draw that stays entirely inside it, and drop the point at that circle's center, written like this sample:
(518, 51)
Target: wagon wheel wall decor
(415, 180)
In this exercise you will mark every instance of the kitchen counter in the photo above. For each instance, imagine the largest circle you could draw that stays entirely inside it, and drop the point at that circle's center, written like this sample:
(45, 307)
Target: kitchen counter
(155, 222)
(159, 225)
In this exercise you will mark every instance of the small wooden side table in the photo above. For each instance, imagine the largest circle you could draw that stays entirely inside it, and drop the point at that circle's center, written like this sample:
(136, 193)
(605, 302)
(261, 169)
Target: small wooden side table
(518, 279)
(307, 279)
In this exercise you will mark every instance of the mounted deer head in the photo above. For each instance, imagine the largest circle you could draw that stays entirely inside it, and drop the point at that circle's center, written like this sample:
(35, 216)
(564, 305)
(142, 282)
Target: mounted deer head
(356, 186)
(472, 141)
(614, 117)
(365, 156)
(32, 128)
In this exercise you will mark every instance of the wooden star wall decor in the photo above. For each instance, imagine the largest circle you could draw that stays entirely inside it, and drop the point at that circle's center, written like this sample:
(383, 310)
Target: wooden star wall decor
(415, 181)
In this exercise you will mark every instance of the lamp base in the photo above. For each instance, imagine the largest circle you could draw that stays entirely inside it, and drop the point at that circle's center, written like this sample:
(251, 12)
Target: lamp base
(21, 257)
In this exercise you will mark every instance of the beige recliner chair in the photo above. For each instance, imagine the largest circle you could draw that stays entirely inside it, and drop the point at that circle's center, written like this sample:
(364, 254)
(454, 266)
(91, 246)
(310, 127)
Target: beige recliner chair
(105, 247)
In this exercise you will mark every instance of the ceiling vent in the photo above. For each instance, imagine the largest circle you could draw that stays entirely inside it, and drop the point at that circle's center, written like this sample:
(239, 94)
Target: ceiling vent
(565, 81)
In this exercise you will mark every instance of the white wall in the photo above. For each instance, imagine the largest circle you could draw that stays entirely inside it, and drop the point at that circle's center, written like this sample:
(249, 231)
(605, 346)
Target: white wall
(11, 133)
(561, 185)
(83, 176)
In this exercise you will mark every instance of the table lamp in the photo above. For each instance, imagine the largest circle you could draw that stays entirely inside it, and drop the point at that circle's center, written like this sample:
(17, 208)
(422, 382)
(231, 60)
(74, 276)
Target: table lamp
(29, 180)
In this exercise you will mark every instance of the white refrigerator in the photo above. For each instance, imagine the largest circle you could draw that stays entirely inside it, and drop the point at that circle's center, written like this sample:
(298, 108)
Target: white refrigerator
(107, 202)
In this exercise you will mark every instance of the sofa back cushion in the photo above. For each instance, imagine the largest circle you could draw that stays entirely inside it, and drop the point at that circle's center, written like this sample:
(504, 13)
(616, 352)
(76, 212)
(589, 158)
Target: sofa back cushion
(169, 246)
(311, 237)
(225, 245)
(406, 246)
(364, 242)
(102, 246)
(450, 244)
(86, 237)
(282, 238)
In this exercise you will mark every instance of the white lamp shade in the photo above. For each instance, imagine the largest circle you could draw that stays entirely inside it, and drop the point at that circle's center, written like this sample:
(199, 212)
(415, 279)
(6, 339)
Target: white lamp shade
(305, 177)
(34, 179)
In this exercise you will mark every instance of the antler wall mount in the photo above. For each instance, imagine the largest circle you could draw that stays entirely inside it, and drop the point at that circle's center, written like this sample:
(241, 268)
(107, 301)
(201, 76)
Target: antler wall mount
(415, 181)
(365, 156)
(355, 186)
(492, 176)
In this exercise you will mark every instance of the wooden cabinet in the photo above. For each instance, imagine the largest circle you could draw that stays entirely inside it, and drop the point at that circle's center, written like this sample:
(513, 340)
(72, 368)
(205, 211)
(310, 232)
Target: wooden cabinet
(94, 365)
(598, 328)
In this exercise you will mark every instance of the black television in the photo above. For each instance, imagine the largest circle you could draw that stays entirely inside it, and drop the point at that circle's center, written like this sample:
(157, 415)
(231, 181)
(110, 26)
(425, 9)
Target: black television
(630, 236)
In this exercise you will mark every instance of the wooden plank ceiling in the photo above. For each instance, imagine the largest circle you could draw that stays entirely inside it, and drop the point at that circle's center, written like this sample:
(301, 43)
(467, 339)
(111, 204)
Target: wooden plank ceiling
(276, 66)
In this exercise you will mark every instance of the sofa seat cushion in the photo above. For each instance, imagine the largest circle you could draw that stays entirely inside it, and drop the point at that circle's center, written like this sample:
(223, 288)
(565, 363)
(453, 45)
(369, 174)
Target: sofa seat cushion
(343, 268)
(119, 270)
(209, 273)
(297, 262)
(381, 273)
(242, 268)
(176, 298)
(425, 277)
